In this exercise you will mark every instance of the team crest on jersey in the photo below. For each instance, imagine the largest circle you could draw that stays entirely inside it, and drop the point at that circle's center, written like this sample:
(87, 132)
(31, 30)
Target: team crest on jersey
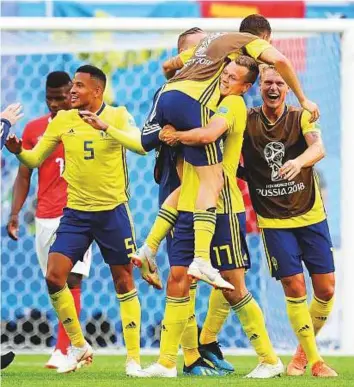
(274, 153)
(222, 110)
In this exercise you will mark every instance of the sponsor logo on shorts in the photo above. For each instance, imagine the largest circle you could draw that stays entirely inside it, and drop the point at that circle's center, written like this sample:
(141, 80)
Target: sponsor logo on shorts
(274, 263)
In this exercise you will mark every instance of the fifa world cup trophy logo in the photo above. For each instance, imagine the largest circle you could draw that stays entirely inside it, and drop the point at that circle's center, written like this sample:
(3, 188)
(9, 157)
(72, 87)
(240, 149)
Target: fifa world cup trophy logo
(274, 153)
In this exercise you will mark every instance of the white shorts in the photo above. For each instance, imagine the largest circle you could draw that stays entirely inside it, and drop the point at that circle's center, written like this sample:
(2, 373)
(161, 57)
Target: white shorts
(45, 229)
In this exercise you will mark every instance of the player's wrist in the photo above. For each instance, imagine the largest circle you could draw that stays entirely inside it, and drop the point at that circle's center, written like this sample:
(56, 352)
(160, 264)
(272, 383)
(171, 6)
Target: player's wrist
(299, 162)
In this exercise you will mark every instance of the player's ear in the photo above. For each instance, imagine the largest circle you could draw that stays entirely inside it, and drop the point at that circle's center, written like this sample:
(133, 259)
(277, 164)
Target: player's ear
(246, 87)
(98, 91)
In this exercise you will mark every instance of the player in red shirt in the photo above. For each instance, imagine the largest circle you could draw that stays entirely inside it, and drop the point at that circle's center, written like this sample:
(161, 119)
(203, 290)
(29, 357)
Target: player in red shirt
(51, 197)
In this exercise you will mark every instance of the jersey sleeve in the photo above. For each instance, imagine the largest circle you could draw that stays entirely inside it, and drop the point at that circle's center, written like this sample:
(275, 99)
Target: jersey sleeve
(256, 47)
(26, 138)
(46, 145)
(233, 110)
(186, 55)
(125, 121)
(126, 132)
(306, 126)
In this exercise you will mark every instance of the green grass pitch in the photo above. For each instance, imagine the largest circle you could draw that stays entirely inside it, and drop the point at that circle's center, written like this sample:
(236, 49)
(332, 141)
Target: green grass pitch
(108, 371)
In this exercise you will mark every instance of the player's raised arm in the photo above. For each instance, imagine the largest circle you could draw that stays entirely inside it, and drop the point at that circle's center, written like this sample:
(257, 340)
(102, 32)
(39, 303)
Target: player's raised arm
(46, 145)
(263, 51)
(127, 134)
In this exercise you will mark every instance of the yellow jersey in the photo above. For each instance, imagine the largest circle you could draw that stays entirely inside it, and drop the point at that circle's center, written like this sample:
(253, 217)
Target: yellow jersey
(234, 111)
(206, 89)
(317, 213)
(95, 163)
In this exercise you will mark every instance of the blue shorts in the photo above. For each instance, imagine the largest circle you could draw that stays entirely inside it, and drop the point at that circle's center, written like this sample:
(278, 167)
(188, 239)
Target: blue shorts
(287, 248)
(168, 176)
(184, 113)
(113, 231)
(228, 247)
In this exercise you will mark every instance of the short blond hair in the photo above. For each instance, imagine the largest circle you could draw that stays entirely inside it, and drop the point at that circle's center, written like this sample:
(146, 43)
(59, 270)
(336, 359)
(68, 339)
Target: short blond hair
(265, 67)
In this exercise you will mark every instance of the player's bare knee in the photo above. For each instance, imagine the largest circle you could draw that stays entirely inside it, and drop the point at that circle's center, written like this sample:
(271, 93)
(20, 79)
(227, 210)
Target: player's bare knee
(294, 286)
(123, 285)
(55, 281)
(325, 293)
(74, 281)
(178, 283)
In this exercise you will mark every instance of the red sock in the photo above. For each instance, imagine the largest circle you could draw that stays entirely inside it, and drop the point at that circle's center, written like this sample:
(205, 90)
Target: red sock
(63, 340)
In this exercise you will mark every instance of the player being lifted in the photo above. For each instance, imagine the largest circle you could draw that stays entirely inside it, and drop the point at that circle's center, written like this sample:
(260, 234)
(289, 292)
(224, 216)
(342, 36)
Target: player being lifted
(52, 198)
(229, 249)
(279, 150)
(168, 170)
(188, 101)
(97, 209)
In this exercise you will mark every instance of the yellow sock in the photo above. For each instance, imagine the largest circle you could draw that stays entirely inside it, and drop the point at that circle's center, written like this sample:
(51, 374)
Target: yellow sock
(164, 222)
(301, 323)
(63, 303)
(218, 311)
(204, 228)
(319, 311)
(173, 326)
(130, 313)
(253, 324)
(189, 340)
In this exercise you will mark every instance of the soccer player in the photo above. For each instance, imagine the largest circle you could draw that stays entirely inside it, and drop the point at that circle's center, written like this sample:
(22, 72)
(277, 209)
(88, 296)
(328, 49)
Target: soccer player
(52, 198)
(188, 101)
(97, 209)
(229, 250)
(168, 170)
(8, 118)
(279, 150)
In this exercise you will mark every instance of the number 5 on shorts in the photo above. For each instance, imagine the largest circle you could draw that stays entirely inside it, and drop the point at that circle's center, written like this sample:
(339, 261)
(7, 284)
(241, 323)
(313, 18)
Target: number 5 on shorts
(129, 245)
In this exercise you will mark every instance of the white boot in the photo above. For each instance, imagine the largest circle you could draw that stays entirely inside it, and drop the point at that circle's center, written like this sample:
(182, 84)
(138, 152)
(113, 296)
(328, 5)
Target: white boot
(145, 260)
(204, 271)
(77, 358)
(267, 371)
